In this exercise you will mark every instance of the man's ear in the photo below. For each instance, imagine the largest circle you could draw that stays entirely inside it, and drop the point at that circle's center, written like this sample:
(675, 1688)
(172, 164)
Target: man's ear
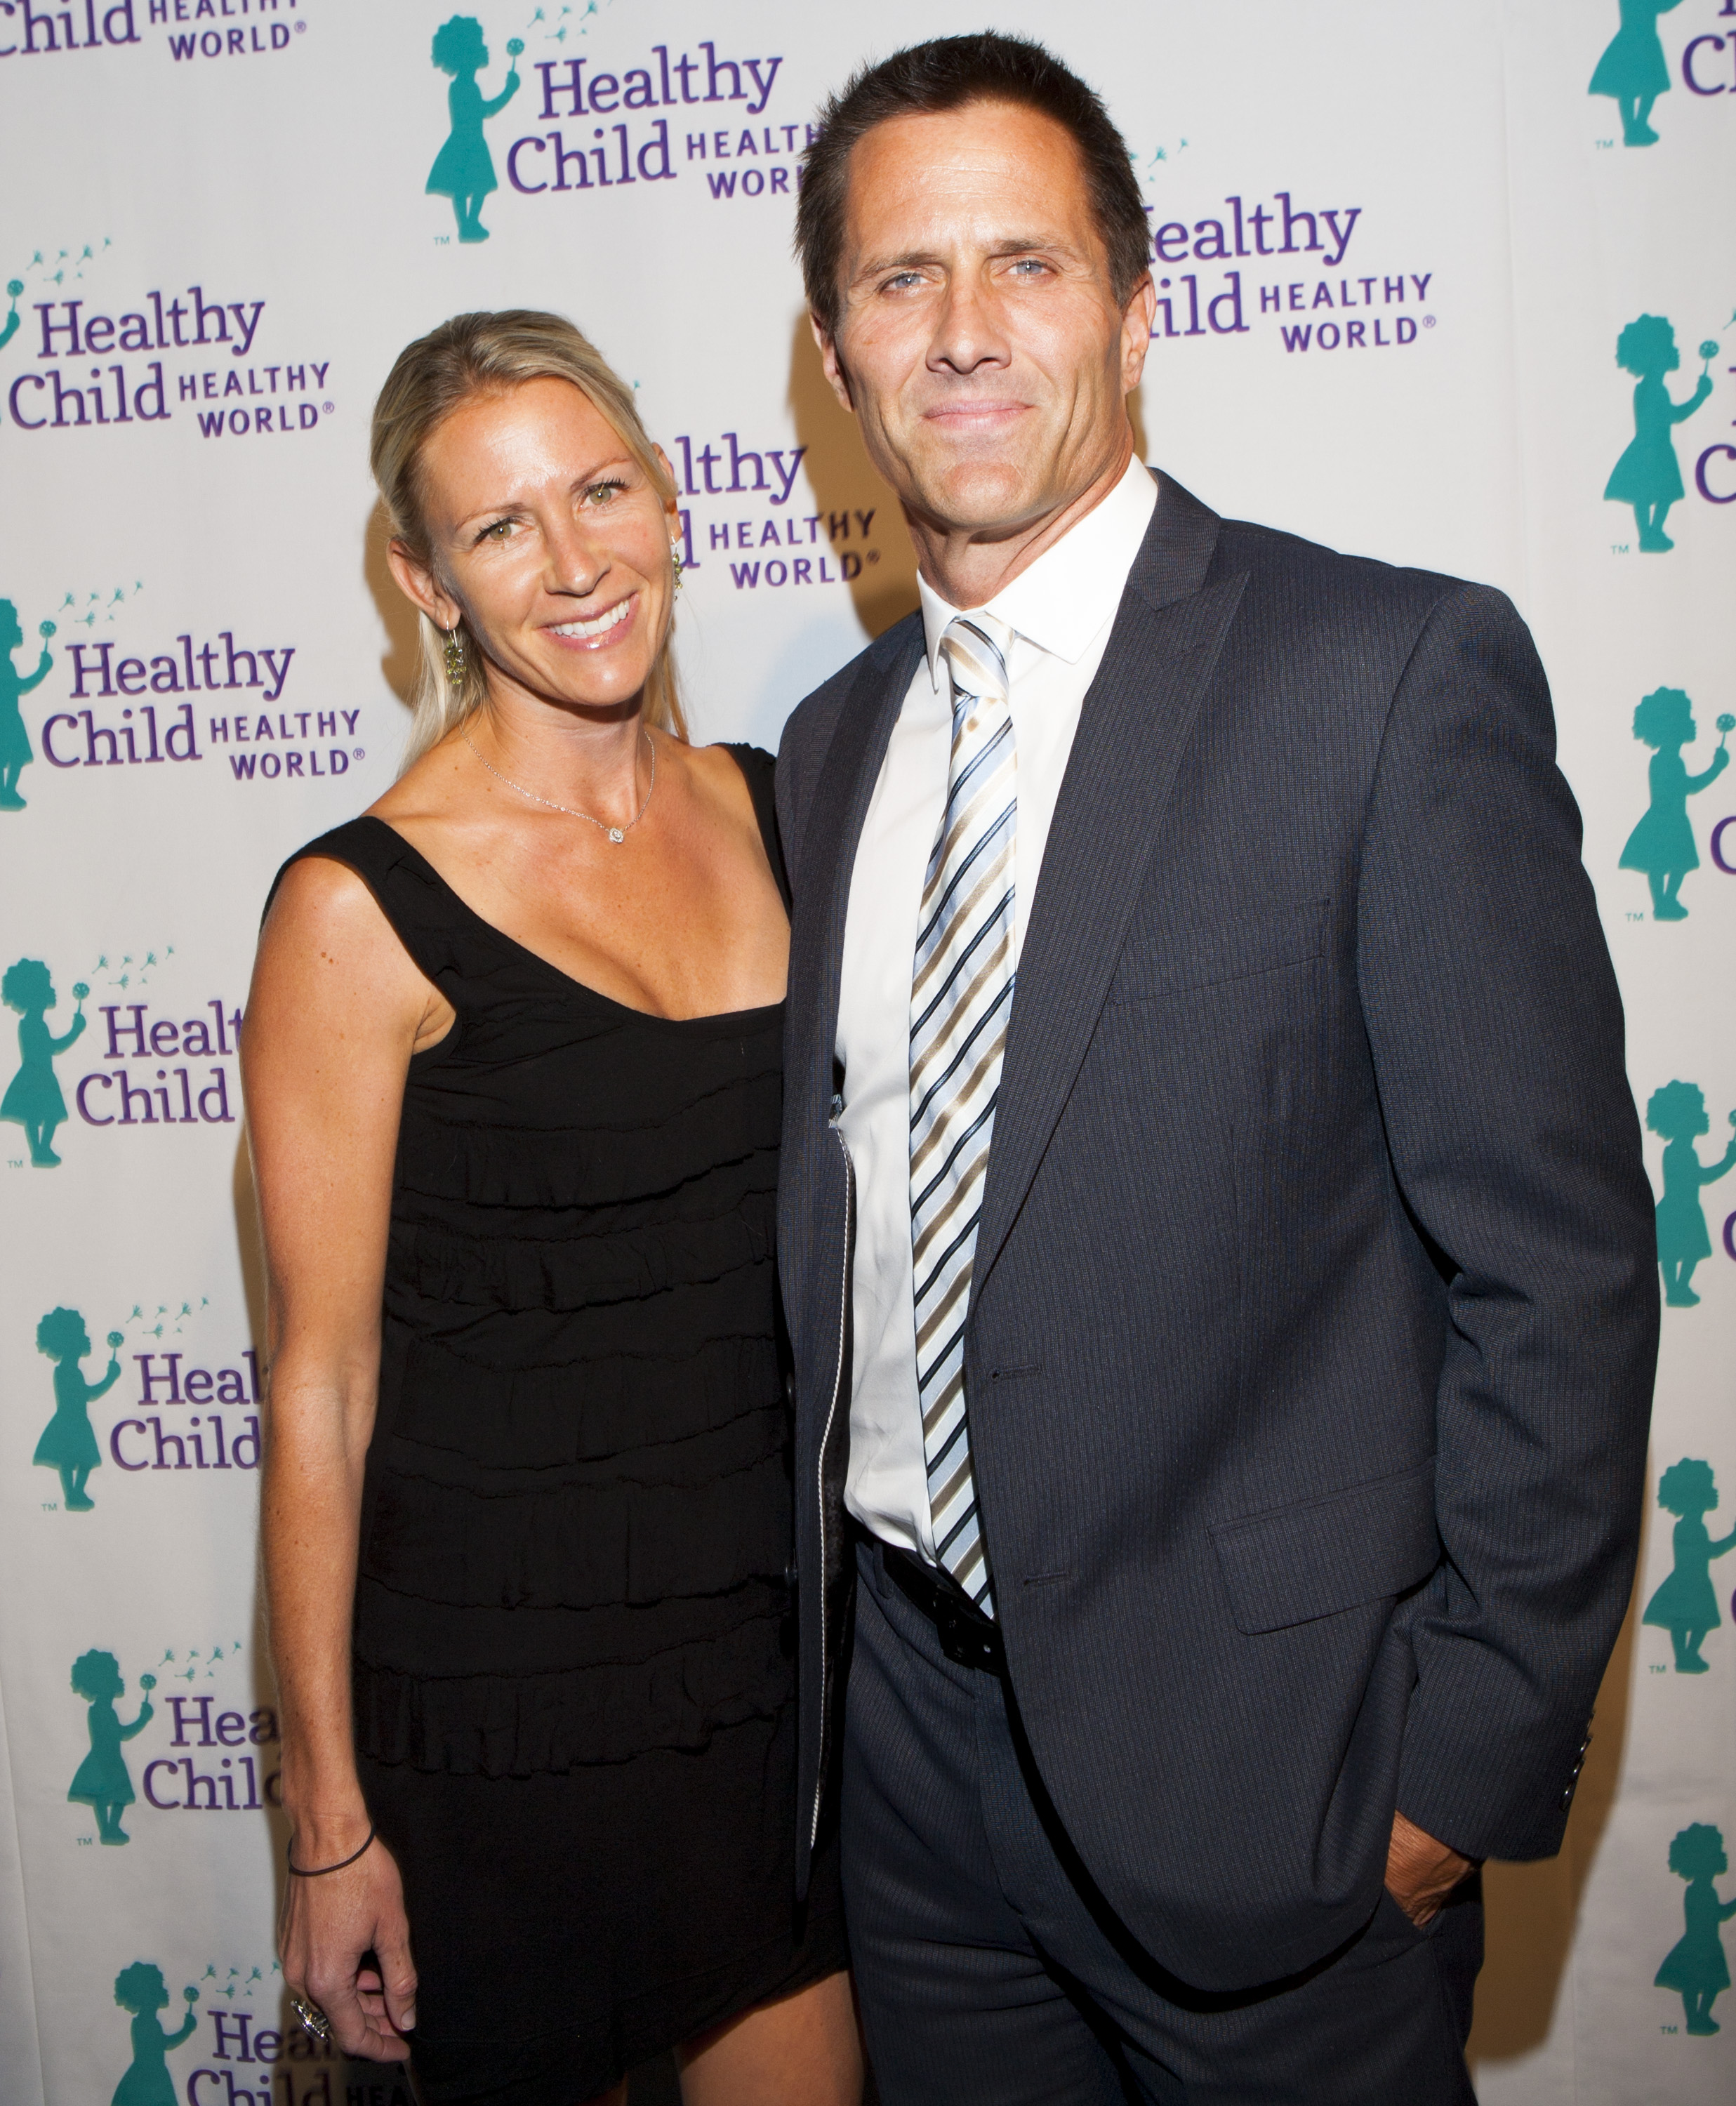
(420, 587)
(1136, 319)
(831, 362)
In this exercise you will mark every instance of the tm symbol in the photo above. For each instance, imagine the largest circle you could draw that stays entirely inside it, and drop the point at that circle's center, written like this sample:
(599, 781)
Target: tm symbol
(442, 241)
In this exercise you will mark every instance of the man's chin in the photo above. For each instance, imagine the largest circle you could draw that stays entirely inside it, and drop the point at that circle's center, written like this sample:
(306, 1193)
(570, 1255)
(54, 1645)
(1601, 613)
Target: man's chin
(981, 496)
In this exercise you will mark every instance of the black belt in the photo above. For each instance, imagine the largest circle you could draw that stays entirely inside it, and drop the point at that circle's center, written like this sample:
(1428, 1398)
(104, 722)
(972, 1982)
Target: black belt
(967, 1637)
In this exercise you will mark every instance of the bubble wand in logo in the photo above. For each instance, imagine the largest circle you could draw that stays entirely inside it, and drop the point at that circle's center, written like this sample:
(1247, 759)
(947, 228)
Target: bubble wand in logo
(464, 168)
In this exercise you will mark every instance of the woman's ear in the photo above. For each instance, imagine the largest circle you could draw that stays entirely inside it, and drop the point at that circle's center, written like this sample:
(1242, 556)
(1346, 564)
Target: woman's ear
(673, 507)
(420, 587)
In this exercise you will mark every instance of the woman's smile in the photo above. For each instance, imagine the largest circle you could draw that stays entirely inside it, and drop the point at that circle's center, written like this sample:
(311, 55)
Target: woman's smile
(599, 630)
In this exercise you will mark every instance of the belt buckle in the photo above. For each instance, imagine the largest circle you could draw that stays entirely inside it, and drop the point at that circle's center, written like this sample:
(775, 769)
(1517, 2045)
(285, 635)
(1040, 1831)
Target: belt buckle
(962, 1642)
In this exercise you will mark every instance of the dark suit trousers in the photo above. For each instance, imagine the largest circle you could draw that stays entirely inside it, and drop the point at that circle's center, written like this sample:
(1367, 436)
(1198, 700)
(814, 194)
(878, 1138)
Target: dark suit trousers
(992, 1974)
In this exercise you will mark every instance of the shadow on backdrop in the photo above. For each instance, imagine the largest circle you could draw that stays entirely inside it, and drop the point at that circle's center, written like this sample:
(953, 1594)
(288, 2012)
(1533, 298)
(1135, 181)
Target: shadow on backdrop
(403, 653)
(882, 591)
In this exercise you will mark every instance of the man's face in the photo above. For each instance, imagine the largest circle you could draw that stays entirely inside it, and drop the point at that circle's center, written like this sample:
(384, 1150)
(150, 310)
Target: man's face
(980, 343)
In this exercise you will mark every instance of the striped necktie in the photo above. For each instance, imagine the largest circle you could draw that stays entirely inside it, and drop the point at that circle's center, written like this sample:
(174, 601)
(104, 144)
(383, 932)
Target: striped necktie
(961, 997)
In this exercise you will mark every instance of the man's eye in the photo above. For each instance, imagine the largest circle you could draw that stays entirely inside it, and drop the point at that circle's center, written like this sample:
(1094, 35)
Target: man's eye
(900, 280)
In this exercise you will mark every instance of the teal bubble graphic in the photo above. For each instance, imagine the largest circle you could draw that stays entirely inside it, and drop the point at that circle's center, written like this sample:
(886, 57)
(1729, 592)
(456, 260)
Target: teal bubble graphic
(1648, 476)
(1695, 1966)
(141, 1990)
(68, 1441)
(1662, 844)
(103, 1782)
(32, 1098)
(16, 751)
(1677, 1112)
(1633, 71)
(1686, 1605)
(464, 168)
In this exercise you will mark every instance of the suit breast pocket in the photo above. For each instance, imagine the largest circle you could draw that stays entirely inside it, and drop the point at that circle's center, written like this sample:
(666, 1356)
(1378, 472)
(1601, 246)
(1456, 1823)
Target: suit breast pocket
(1154, 963)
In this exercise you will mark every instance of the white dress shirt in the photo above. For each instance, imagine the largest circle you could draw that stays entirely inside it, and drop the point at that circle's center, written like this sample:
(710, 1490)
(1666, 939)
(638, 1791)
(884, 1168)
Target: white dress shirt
(1061, 609)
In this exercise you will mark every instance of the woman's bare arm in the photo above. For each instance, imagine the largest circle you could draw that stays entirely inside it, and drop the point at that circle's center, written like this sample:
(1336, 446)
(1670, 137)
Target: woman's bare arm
(336, 1009)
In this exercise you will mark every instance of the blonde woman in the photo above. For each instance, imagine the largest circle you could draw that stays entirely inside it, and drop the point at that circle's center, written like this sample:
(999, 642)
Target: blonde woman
(512, 1067)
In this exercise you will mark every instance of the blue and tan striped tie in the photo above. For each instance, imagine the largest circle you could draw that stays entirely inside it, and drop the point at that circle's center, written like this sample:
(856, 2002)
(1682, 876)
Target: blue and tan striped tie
(961, 997)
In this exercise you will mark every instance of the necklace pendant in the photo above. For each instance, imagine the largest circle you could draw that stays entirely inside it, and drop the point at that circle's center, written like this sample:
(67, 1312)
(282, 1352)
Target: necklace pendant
(615, 834)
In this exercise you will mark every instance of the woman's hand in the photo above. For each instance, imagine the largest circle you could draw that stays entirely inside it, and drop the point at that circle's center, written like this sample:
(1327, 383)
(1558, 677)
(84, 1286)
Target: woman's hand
(328, 1924)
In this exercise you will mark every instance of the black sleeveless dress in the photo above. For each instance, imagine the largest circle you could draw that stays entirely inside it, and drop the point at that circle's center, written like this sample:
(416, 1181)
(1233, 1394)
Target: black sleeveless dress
(573, 1657)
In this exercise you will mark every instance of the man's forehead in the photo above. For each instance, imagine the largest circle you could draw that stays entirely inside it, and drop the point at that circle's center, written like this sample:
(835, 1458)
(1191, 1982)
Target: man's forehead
(968, 175)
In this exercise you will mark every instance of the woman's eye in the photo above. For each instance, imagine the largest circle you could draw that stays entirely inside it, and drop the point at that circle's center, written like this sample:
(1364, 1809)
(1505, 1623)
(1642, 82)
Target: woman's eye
(603, 493)
(498, 531)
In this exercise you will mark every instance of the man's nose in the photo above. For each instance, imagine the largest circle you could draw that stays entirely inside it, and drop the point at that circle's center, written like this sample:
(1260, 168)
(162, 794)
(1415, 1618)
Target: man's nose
(969, 331)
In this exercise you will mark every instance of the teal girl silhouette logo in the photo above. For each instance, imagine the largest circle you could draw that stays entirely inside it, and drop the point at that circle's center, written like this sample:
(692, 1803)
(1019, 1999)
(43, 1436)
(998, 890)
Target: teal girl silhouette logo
(1633, 69)
(102, 1782)
(1662, 844)
(68, 1441)
(1678, 1112)
(1695, 1966)
(15, 741)
(464, 168)
(141, 1990)
(9, 328)
(1686, 1606)
(1649, 477)
(32, 1098)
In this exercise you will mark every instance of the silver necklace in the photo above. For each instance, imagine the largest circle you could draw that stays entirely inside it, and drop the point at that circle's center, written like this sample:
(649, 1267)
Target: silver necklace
(615, 834)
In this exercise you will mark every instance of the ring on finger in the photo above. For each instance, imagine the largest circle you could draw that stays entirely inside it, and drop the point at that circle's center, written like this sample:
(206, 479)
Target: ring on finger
(313, 2020)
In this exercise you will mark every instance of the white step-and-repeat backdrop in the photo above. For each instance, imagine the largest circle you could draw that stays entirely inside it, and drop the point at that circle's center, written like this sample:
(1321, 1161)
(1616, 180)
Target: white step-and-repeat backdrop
(1454, 286)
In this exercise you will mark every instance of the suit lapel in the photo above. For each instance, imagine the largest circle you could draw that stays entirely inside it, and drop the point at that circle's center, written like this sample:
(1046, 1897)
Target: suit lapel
(827, 864)
(1134, 728)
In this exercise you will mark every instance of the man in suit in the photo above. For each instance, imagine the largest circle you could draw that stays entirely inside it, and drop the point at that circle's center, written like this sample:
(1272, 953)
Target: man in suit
(1215, 1242)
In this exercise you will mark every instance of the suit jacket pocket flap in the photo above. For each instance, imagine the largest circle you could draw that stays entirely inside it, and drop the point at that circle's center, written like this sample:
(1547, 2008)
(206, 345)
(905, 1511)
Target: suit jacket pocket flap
(1366, 1543)
(1173, 960)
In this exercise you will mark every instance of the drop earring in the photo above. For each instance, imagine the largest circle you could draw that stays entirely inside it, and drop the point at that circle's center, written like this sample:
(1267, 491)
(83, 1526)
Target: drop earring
(455, 658)
(674, 557)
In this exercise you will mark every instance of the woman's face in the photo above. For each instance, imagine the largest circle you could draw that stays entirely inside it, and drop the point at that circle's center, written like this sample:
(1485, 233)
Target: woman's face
(549, 539)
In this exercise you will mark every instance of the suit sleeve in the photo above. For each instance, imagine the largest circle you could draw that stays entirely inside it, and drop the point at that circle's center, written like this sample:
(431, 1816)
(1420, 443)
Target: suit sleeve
(1496, 1031)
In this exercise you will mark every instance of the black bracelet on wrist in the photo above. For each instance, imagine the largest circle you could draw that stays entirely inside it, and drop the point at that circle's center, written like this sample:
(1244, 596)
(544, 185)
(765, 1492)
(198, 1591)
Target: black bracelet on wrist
(319, 1871)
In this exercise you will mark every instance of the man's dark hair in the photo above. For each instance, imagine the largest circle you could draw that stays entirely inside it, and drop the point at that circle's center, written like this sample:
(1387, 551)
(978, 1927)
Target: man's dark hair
(946, 74)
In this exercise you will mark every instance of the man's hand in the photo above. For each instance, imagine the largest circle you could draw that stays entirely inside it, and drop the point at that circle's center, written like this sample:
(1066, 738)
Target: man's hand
(1421, 1873)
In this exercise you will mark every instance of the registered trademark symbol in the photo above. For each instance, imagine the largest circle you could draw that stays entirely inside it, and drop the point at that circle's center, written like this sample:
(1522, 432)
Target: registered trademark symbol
(1428, 321)
(358, 753)
(873, 555)
(328, 407)
(300, 27)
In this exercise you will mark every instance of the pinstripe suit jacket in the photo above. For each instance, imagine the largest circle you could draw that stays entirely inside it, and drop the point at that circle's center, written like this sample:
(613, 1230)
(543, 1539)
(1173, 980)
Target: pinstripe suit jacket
(1312, 1336)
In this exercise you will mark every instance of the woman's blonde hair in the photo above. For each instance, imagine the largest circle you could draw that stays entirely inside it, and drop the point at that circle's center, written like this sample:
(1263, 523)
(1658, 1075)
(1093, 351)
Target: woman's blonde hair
(488, 354)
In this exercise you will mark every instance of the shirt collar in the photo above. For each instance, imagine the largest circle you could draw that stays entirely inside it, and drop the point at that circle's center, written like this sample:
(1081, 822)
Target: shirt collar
(1061, 602)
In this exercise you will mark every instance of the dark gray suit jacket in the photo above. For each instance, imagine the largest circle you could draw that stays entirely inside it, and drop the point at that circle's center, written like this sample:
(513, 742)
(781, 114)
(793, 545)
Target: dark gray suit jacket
(1311, 1335)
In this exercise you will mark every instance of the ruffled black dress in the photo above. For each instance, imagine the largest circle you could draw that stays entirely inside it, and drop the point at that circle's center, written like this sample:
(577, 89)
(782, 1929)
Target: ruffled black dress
(574, 1672)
